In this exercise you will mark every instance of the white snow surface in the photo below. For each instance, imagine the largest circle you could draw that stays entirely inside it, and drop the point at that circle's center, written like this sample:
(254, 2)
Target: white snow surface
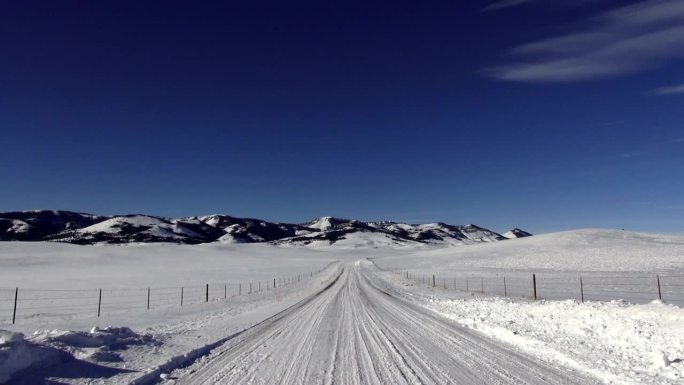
(334, 321)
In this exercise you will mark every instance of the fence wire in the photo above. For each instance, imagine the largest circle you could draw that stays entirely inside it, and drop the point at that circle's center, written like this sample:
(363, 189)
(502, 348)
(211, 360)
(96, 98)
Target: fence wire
(638, 288)
(17, 304)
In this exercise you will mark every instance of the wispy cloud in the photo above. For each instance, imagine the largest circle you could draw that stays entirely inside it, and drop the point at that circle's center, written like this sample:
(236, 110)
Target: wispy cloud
(653, 148)
(671, 90)
(622, 41)
(501, 4)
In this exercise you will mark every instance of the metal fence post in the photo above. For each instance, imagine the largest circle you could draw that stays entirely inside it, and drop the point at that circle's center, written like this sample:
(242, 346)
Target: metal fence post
(14, 314)
(660, 295)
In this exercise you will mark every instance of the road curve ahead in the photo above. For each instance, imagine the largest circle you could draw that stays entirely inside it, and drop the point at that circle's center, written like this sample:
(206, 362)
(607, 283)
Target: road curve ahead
(355, 333)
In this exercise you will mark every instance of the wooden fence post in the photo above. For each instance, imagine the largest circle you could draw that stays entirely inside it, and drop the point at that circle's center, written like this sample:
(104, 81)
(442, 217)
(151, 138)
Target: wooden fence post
(99, 303)
(274, 286)
(433, 280)
(148, 298)
(181, 296)
(225, 291)
(581, 290)
(467, 289)
(534, 285)
(206, 295)
(482, 288)
(505, 291)
(239, 288)
(14, 314)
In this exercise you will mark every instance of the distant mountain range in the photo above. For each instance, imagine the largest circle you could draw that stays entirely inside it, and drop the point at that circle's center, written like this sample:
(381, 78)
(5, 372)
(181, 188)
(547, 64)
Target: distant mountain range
(86, 229)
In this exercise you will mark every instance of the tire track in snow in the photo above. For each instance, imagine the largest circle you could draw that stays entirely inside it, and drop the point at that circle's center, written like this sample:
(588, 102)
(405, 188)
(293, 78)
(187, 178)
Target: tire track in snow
(354, 332)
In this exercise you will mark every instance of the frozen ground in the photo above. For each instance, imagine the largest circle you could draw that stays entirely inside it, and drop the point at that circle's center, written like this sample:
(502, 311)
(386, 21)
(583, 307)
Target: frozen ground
(349, 321)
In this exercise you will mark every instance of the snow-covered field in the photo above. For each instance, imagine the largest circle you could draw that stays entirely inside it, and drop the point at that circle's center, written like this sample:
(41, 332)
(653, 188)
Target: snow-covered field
(613, 264)
(61, 281)
(610, 342)
(578, 250)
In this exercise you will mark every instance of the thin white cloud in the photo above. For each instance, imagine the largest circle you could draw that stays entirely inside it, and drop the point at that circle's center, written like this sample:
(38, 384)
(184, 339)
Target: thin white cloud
(501, 4)
(622, 41)
(671, 90)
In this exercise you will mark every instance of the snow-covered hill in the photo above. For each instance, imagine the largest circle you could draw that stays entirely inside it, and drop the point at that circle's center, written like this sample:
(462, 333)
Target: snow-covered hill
(79, 228)
(135, 228)
(39, 224)
(576, 250)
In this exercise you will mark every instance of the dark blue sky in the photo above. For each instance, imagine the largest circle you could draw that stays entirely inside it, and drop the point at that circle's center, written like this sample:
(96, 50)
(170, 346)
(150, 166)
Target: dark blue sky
(537, 114)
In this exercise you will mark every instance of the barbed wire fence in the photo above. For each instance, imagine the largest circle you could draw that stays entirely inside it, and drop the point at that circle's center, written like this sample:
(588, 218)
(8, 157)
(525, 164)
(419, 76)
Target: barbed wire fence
(634, 288)
(19, 303)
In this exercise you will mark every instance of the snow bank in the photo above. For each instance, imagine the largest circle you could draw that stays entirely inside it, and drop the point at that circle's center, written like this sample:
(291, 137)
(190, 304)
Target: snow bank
(17, 354)
(50, 347)
(616, 342)
(97, 344)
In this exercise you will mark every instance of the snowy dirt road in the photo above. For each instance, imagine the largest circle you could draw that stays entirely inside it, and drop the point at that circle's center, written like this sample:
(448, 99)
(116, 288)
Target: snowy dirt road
(356, 331)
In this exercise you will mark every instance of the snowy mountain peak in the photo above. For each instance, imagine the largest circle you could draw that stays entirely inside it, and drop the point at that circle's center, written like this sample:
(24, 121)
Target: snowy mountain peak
(325, 223)
(516, 233)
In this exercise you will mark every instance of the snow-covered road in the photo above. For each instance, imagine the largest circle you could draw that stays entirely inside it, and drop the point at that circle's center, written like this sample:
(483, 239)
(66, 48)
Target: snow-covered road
(356, 331)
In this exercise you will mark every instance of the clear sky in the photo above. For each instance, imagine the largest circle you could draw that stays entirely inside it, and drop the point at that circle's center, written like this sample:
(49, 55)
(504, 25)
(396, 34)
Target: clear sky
(546, 115)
